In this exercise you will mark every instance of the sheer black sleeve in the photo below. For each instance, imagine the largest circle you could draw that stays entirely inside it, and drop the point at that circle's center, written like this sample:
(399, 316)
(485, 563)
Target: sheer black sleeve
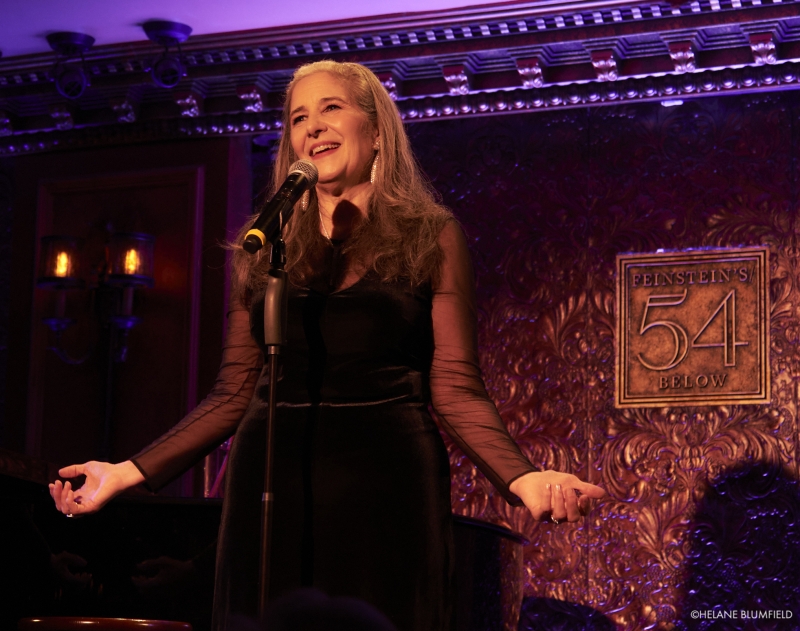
(217, 416)
(458, 393)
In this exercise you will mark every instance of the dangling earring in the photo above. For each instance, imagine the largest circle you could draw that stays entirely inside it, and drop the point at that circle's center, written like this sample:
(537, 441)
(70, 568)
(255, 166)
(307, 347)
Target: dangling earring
(374, 170)
(304, 201)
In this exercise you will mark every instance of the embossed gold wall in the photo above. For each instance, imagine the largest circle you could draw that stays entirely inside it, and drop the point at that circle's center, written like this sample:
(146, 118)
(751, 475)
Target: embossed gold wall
(703, 510)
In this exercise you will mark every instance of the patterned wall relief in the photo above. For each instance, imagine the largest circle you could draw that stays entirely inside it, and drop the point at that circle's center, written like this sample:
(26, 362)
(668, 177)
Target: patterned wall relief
(705, 172)
(547, 202)
(520, 192)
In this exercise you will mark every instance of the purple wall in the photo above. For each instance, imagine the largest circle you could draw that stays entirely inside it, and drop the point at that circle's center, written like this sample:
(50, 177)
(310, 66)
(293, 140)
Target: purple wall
(700, 498)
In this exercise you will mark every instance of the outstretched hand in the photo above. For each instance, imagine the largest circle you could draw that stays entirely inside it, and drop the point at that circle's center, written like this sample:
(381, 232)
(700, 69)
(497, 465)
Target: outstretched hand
(554, 496)
(103, 481)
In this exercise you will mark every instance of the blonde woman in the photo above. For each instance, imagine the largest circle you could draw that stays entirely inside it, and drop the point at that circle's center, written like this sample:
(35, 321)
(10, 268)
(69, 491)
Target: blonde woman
(381, 325)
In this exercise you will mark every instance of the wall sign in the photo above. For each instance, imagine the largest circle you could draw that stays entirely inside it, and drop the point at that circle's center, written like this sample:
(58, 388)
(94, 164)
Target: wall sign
(693, 328)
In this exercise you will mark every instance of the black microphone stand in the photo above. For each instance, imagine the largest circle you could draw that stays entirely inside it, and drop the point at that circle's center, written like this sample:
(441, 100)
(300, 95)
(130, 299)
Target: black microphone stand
(275, 312)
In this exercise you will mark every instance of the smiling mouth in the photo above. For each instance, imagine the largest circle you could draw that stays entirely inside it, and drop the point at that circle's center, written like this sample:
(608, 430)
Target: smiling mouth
(322, 148)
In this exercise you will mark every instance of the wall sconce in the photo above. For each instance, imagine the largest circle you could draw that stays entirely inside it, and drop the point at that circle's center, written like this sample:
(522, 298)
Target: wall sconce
(128, 265)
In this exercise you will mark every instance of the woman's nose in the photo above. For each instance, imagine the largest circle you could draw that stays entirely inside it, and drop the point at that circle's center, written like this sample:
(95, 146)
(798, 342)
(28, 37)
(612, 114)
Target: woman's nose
(314, 126)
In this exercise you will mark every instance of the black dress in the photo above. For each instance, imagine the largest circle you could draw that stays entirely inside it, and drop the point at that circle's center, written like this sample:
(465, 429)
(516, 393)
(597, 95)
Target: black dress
(362, 488)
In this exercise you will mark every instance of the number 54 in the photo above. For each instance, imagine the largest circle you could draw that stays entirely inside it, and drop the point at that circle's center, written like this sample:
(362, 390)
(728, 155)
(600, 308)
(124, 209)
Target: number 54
(680, 337)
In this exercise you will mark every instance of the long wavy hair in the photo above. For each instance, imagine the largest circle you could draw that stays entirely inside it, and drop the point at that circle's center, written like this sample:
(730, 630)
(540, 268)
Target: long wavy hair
(398, 239)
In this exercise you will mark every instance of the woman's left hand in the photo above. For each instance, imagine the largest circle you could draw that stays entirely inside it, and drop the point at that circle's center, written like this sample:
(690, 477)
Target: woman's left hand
(554, 496)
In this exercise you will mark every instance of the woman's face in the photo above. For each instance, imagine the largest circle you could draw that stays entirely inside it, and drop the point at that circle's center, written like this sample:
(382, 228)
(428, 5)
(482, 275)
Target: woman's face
(331, 131)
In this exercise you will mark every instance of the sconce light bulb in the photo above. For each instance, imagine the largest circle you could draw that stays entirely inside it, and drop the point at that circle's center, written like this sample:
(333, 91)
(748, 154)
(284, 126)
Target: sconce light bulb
(62, 265)
(131, 262)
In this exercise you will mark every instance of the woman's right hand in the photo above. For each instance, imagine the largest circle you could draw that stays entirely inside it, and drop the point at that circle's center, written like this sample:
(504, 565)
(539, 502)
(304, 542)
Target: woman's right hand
(103, 481)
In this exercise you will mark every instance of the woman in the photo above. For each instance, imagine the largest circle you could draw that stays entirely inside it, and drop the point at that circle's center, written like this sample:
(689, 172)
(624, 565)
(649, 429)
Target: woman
(381, 323)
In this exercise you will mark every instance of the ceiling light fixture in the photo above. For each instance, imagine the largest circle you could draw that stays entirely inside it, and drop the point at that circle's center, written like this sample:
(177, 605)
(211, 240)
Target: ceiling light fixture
(71, 79)
(168, 70)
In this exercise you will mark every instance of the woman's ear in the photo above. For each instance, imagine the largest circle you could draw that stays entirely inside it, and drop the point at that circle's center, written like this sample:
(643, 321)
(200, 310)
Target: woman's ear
(376, 136)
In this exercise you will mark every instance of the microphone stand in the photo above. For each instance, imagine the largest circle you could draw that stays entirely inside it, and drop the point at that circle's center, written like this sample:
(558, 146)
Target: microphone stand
(275, 313)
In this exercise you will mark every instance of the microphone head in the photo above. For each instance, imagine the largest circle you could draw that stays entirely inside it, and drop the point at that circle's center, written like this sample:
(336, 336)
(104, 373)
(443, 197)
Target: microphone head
(307, 169)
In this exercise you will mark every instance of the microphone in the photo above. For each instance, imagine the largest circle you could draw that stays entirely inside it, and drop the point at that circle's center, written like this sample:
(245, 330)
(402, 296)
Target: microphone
(302, 176)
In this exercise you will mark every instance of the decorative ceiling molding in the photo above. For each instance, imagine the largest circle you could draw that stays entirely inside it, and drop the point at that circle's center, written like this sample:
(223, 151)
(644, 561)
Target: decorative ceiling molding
(467, 62)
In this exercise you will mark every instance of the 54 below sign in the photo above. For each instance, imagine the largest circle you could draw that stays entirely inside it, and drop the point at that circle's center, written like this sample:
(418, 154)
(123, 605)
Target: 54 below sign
(693, 328)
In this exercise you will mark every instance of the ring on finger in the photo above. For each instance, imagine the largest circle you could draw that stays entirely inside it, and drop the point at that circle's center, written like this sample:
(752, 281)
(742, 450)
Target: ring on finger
(554, 520)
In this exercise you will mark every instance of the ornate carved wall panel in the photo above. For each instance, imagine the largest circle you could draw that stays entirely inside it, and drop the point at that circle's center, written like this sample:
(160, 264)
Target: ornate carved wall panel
(703, 503)
(473, 61)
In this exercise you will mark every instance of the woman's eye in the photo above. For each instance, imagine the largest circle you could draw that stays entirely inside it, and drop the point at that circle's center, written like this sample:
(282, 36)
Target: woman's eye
(332, 107)
(298, 119)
